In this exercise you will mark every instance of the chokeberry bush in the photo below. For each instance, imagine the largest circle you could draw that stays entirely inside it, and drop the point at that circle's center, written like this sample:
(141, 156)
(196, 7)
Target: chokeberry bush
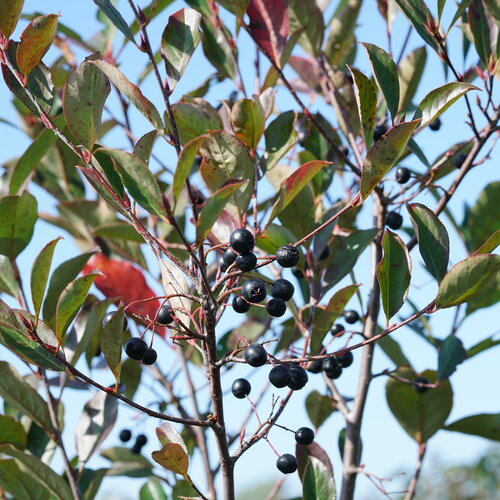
(238, 176)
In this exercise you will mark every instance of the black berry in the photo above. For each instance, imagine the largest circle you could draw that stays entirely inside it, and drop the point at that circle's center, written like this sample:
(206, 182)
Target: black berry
(287, 256)
(402, 175)
(136, 449)
(393, 220)
(255, 355)
(276, 308)
(420, 380)
(299, 378)
(136, 348)
(351, 316)
(246, 262)
(150, 357)
(332, 368)
(325, 253)
(141, 440)
(241, 388)
(379, 131)
(242, 240)
(165, 316)
(125, 435)
(240, 305)
(346, 359)
(109, 315)
(304, 436)
(315, 366)
(337, 329)
(280, 376)
(459, 159)
(435, 124)
(220, 263)
(282, 289)
(287, 463)
(229, 256)
(298, 273)
(254, 290)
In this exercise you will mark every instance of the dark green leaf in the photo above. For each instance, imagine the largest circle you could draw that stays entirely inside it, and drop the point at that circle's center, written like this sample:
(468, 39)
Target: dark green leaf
(280, 137)
(9, 15)
(485, 425)
(479, 26)
(112, 342)
(130, 376)
(152, 490)
(237, 7)
(318, 482)
(463, 4)
(13, 481)
(120, 231)
(482, 346)
(319, 408)
(115, 17)
(248, 121)
(417, 151)
(308, 18)
(410, 72)
(12, 432)
(393, 351)
(451, 354)
(441, 4)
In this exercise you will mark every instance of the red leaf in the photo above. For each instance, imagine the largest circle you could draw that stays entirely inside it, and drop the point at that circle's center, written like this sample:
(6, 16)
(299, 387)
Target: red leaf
(121, 279)
(269, 25)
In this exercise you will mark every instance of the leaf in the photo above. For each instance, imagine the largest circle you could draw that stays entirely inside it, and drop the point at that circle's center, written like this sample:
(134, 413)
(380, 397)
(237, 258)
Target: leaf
(173, 454)
(131, 92)
(12, 432)
(9, 16)
(40, 274)
(493, 8)
(14, 482)
(308, 18)
(410, 72)
(466, 280)
(174, 282)
(451, 354)
(490, 244)
(341, 443)
(36, 40)
(484, 345)
(420, 414)
(386, 75)
(18, 215)
(144, 146)
(120, 231)
(130, 376)
(96, 422)
(115, 17)
(248, 121)
(8, 283)
(384, 154)
(366, 98)
(273, 237)
(437, 101)
(19, 394)
(178, 43)
(70, 301)
(112, 342)
(485, 425)
(480, 29)
(319, 408)
(37, 471)
(294, 184)
(269, 26)
(84, 96)
(433, 240)
(302, 453)
(280, 136)
(462, 5)
(318, 482)
(237, 7)
(213, 208)
(152, 490)
(393, 351)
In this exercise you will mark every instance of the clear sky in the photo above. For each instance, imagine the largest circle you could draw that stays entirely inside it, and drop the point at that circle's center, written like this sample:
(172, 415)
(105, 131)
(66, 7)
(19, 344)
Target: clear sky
(387, 450)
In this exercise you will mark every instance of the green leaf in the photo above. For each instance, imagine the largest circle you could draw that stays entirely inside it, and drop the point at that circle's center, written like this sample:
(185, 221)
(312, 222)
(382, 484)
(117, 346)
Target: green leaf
(152, 490)
(484, 345)
(178, 43)
(84, 96)
(37, 471)
(319, 408)
(441, 4)
(493, 7)
(119, 231)
(213, 208)
(485, 425)
(12, 432)
(18, 215)
(386, 75)
(433, 240)
(341, 443)
(308, 18)
(366, 98)
(70, 301)
(40, 274)
(9, 16)
(463, 4)
(19, 394)
(384, 154)
(130, 376)
(479, 26)
(318, 482)
(36, 40)
(115, 17)
(8, 282)
(420, 414)
(13, 480)
(466, 280)
(112, 342)
(248, 121)
(280, 136)
(173, 455)
(393, 273)
(451, 354)
(410, 72)
(437, 101)
(237, 7)
(393, 351)
(144, 146)
(273, 237)
(490, 244)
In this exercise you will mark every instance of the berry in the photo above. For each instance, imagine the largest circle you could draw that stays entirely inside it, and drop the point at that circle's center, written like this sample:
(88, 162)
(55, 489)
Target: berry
(136, 348)
(240, 305)
(393, 220)
(346, 359)
(241, 388)
(242, 240)
(325, 253)
(220, 263)
(136, 449)
(402, 175)
(282, 289)
(351, 316)
(150, 357)
(287, 256)
(299, 378)
(280, 376)
(246, 262)
(337, 329)
(379, 131)
(276, 308)
(287, 463)
(141, 440)
(304, 436)
(315, 366)
(298, 274)
(458, 159)
(332, 368)
(435, 124)
(109, 315)
(125, 435)
(165, 316)
(229, 256)
(254, 290)
(255, 355)
(420, 380)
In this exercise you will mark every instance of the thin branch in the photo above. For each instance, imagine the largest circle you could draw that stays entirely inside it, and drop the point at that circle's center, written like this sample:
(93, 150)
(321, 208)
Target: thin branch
(412, 487)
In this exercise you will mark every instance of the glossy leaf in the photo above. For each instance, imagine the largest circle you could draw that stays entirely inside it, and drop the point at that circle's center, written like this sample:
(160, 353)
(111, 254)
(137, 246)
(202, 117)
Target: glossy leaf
(303, 453)
(9, 16)
(112, 342)
(384, 154)
(36, 40)
(18, 215)
(386, 75)
(437, 101)
(451, 354)
(173, 454)
(366, 98)
(115, 17)
(248, 121)
(178, 43)
(410, 72)
(480, 29)
(433, 240)
(96, 422)
(13, 481)
(152, 490)
(393, 273)
(280, 136)
(40, 274)
(420, 414)
(319, 408)
(308, 18)
(318, 482)
(466, 280)
(273, 237)
(12, 432)
(84, 96)
(486, 425)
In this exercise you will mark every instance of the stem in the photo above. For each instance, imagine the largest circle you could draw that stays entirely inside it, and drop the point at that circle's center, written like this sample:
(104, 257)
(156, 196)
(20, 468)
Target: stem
(412, 486)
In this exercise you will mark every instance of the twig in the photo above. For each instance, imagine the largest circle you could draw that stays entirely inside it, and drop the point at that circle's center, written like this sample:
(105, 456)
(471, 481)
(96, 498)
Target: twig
(413, 482)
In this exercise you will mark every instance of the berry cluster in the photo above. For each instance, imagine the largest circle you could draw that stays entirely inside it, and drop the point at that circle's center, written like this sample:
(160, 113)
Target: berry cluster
(125, 436)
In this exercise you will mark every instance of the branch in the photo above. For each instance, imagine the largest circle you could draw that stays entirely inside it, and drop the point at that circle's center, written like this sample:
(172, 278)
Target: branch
(413, 482)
